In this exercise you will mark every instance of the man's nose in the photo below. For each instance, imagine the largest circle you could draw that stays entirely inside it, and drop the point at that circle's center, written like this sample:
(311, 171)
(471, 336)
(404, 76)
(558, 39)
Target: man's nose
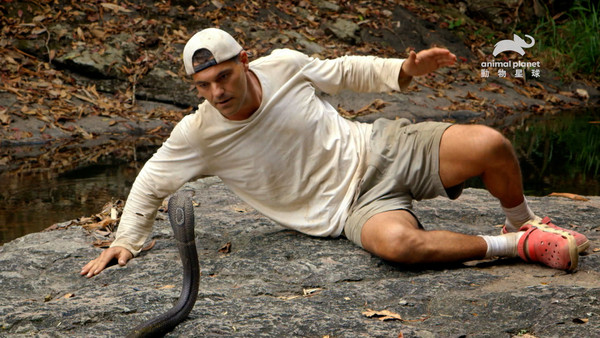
(217, 90)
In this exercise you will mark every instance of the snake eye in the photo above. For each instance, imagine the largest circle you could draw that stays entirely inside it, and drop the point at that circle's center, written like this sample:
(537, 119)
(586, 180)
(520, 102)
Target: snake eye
(179, 216)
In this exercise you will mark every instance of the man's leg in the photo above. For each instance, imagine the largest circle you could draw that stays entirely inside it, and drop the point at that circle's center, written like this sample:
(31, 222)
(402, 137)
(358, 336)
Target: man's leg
(474, 150)
(465, 151)
(396, 236)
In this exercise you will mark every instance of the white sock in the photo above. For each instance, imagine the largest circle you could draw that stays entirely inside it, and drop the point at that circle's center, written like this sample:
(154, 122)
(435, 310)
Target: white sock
(517, 216)
(503, 245)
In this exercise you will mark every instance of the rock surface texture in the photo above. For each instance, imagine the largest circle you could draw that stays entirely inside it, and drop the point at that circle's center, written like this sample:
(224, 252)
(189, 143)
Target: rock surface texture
(278, 283)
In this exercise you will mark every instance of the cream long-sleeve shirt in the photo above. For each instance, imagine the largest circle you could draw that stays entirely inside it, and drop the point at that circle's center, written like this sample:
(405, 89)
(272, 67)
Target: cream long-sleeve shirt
(295, 160)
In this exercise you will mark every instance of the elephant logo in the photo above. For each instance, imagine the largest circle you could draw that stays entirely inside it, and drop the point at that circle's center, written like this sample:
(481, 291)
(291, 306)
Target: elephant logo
(515, 45)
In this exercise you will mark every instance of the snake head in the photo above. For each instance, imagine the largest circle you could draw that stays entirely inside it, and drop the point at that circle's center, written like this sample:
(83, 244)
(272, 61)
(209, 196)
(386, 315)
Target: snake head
(181, 215)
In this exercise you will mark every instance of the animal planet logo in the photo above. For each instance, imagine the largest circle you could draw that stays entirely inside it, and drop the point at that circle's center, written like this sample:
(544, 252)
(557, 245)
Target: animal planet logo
(516, 45)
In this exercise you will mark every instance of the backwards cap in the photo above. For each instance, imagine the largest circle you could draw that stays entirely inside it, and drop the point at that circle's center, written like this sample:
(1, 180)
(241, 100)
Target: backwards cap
(222, 46)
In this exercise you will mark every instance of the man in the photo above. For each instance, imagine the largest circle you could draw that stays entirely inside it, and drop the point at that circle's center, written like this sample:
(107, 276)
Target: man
(265, 132)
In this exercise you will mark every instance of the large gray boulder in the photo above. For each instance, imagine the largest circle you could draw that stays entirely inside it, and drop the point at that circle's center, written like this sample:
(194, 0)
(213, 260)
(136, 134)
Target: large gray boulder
(278, 283)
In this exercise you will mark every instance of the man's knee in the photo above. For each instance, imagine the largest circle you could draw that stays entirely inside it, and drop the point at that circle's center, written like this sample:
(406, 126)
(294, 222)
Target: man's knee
(496, 144)
(397, 244)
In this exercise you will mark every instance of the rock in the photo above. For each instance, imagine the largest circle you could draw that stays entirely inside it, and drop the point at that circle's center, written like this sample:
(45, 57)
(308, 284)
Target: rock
(311, 47)
(326, 5)
(92, 64)
(344, 30)
(277, 282)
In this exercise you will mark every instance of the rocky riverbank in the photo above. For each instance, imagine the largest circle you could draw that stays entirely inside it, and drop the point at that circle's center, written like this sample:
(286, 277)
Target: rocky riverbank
(79, 77)
(259, 279)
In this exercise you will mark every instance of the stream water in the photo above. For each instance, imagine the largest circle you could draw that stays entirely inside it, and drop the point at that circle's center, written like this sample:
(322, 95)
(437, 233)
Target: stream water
(559, 153)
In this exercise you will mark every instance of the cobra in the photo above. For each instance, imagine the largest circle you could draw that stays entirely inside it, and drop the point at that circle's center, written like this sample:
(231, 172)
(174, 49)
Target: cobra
(181, 217)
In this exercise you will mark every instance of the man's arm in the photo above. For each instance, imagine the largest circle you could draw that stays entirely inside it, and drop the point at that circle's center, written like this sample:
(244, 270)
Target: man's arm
(374, 74)
(175, 163)
(424, 62)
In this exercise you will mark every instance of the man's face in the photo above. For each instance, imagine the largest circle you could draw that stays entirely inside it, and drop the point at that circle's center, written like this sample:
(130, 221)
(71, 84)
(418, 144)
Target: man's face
(224, 86)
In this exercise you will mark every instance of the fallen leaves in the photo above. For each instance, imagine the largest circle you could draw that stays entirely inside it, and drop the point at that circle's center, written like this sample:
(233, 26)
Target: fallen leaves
(103, 224)
(374, 107)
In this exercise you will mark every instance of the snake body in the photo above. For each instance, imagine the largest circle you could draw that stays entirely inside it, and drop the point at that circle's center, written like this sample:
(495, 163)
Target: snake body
(181, 216)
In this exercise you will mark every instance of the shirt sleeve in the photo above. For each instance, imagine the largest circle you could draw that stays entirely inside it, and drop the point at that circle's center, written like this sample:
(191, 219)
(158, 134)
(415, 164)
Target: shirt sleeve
(357, 73)
(175, 163)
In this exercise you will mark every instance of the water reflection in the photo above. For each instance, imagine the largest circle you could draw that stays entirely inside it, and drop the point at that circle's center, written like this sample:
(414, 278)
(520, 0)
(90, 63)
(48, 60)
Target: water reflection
(560, 153)
(33, 204)
(557, 153)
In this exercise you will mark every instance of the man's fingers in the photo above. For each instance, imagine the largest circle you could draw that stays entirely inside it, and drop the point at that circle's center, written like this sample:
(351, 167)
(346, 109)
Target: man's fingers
(96, 266)
(86, 268)
(124, 257)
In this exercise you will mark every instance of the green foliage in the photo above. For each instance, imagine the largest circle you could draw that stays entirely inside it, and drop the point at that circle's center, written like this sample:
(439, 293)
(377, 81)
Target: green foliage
(453, 24)
(570, 43)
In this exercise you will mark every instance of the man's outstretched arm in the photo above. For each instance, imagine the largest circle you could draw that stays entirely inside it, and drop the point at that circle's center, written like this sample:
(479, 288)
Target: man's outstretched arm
(173, 164)
(425, 62)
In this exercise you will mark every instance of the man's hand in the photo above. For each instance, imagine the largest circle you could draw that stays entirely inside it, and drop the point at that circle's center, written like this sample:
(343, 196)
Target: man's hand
(96, 266)
(426, 61)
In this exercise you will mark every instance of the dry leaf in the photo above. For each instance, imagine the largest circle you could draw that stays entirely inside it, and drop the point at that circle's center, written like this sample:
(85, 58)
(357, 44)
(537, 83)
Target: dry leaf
(170, 286)
(102, 243)
(80, 34)
(582, 94)
(569, 195)
(225, 248)
(115, 8)
(382, 315)
(149, 245)
(38, 31)
(217, 4)
(4, 117)
(580, 320)
(308, 292)
(103, 224)
(288, 297)
(471, 96)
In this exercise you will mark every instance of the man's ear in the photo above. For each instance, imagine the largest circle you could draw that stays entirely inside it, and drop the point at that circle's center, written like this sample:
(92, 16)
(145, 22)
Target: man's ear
(244, 59)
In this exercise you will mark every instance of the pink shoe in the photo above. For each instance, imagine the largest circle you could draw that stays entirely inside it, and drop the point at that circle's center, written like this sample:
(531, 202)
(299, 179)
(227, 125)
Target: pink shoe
(582, 242)
(549, 246)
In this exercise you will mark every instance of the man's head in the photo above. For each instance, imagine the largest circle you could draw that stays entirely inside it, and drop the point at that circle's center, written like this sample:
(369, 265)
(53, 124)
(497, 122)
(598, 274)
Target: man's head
(220, 70)
(214, 45)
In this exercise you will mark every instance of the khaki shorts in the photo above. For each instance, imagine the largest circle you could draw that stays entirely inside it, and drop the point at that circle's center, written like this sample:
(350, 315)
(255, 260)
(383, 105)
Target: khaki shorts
(402, 166)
